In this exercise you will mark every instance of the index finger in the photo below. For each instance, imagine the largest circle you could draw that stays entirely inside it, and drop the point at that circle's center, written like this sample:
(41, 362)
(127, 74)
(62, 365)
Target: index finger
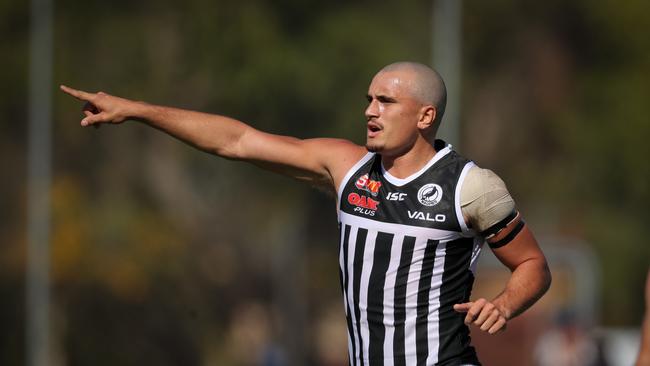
(79, 94)
(474, 310)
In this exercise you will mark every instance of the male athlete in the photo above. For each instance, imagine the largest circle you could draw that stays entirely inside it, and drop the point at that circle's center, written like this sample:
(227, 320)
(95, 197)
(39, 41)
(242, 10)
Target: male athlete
(413, 216)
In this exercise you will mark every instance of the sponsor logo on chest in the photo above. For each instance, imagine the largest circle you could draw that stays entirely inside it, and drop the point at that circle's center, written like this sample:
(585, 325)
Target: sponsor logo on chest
(364, 183)
(426, 216)
(396, 196)
(364, 205)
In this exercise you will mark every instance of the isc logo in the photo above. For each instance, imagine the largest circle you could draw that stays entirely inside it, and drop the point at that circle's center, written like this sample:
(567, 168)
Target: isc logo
(395, 196)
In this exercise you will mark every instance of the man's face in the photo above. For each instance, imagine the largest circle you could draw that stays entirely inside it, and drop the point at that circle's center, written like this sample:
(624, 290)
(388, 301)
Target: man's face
(392, 114)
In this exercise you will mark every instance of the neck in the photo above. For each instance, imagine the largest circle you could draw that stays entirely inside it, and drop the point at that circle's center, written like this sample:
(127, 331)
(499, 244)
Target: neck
(403, 165)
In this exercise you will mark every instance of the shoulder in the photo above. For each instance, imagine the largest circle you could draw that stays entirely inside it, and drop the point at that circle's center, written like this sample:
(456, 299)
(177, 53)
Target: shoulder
(338, 155)
(484, 198)
(479, 181)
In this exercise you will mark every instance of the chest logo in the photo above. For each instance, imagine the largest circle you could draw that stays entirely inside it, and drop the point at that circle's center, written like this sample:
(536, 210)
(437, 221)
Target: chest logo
(364, 183)
(364, 205)
(395, 196)
(430, 194)
(427, 216)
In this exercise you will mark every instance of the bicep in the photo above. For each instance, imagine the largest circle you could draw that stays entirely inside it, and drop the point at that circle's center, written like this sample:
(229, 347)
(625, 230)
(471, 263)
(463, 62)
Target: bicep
(490, 209)
(515, 244)
(315, 161)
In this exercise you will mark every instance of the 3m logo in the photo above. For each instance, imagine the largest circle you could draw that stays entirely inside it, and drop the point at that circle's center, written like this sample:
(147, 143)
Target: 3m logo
(364, 205)
(366, 184)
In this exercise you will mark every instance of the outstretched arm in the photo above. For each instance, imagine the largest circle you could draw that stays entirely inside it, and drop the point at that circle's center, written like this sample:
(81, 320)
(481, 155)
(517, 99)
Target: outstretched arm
(321, 162)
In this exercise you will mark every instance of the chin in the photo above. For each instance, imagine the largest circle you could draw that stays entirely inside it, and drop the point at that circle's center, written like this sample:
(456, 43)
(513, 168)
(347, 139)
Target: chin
(374, 147)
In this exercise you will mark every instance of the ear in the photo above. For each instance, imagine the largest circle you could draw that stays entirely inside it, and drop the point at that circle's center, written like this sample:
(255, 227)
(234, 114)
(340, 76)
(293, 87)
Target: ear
(427, 117)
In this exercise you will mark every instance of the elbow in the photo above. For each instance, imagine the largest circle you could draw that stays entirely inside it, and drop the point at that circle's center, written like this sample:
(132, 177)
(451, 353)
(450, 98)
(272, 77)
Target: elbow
(212, 149)
(234, 146)
(230, 142)
(230, 149)
(542, 274)
(226, 153)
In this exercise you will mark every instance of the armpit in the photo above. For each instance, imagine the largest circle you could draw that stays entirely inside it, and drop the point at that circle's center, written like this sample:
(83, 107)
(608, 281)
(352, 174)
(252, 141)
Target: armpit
(484, 199)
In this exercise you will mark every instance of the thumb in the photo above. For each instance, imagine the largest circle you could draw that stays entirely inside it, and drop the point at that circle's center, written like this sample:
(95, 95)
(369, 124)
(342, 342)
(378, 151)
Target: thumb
(93, 118)
(88, 114)
(463, 308)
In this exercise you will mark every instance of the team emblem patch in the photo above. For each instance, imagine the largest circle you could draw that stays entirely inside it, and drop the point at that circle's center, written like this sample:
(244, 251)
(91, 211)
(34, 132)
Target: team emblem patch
(430, 194)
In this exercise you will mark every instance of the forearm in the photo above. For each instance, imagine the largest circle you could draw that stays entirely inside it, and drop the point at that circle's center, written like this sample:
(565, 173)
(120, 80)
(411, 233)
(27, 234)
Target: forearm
(211, 133)
(307, 160)
(527, 283)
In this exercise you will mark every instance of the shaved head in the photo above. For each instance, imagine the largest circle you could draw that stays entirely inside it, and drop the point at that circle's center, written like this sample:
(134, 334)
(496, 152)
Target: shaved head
(425, 84)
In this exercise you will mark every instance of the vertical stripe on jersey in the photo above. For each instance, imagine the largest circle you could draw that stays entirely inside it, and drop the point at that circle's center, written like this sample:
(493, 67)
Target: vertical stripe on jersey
(412, 289)
(375, 311)
(434, 304)
(389, 299)
(401, 281)
(456, 280)
(359, 249)
(344, 285)
(424, 287)
(363, 293)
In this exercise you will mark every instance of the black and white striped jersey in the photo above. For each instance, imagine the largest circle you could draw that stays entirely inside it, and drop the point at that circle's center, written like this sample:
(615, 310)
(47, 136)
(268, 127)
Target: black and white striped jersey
(406, 257)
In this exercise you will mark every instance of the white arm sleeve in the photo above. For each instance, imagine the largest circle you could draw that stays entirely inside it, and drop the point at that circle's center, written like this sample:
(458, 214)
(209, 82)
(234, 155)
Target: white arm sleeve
(484, 199)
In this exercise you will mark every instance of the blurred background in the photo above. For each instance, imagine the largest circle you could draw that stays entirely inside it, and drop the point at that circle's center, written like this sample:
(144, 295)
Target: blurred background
(155, 253)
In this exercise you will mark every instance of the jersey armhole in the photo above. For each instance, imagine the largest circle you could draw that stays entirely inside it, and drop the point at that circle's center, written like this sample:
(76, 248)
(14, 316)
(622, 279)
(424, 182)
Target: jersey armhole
(459, 212)
(346, 178)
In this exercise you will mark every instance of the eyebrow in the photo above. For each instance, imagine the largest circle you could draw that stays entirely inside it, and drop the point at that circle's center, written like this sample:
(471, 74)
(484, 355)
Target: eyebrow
(382, 98)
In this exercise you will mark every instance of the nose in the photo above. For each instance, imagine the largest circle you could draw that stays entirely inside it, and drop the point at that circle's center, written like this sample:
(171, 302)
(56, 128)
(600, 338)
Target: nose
(372, 110)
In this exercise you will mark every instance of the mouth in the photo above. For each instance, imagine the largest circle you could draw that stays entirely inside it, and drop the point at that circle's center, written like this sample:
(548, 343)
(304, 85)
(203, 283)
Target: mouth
(374, 129)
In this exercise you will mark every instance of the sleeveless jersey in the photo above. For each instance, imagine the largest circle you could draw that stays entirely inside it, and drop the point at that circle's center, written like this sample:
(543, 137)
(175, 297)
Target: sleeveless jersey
(406, 257)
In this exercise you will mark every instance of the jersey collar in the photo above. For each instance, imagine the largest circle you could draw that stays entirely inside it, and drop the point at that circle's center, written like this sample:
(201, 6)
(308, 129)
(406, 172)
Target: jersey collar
(402, 181)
